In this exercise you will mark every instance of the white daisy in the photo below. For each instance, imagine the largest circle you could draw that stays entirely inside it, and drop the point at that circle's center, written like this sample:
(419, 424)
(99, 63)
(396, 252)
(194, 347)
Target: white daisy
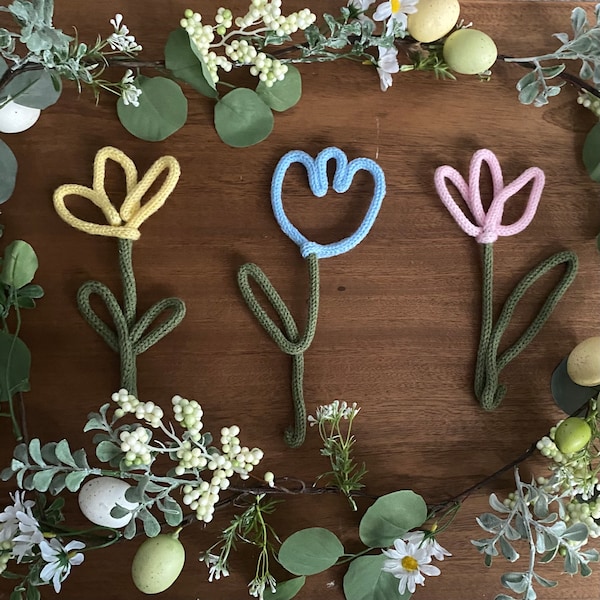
(395, 10)
(409, 563)
(59, 560)
(432, 546)
(387, 65)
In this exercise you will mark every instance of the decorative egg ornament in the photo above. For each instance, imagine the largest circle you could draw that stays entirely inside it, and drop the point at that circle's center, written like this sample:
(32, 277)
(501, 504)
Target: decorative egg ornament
(583, 364)
(15, 118)
(158, 563)
(99, 496)
(433, 19)
(573, 435)
(469, 51)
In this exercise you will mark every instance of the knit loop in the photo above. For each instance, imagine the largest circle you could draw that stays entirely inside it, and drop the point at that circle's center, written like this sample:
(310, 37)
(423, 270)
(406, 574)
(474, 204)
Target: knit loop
(488, 390)
(319, 184)
(123, 223)
(128, 338)
(287, 337)
(488, 226)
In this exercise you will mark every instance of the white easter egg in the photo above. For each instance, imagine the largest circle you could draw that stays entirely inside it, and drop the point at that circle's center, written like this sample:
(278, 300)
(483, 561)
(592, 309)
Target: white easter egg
(433, 19)
(15, 118)
(583, 364)
(99, 496)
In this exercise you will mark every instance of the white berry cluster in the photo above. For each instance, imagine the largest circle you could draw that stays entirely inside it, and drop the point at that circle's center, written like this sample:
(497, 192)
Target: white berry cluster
(584, 512)
(135, 446)
(263, 16)
(572, 472)
(233, 458)
(129, 404)
(188, 413)
(590, 102)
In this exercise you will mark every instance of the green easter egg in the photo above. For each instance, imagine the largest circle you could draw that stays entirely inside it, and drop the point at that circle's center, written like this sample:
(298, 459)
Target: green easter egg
(469, 51)
(572, 435)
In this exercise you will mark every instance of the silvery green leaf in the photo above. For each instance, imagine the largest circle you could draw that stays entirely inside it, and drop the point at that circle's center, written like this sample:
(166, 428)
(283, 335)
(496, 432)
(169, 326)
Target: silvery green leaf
(545, 582)
(519, 525)
(555, 70)
(15, 464)
(530, 594)
(42, 479)
(35, 451)
(576, 533)
(490, 522)
(530, 93)
(487, 560)
(562, 37)
(49, 455)
(540, 506)
(58, 484)
(151, 525)
(20, 453)
(8, 172)
(8, 472)
(541, 100)
(579, 20)
(590, 554)
(540, 543)
(63, 453)
(549, 556)
(554, 90)
(130, 529)
(517, 582)
(138, 493)
(118, 512)
(584, 570)
(571, 562)
(497, 505)
(504, 597)
(586, 71)
(20, 478)
(510, 533)
(526, 80)
(74, 480)
(558, 529)
(106, 451)
(80, 458)
(94, 422)
(508, 551)
(581, 46)
(481, 544)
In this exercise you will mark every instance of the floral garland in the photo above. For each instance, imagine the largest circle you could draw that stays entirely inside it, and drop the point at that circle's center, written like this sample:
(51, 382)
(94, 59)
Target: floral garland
(556, 516)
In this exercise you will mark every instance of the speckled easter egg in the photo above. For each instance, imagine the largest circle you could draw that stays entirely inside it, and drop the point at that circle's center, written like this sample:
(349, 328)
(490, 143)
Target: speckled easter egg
(469, 51)
(158, 563)
(583, 364)
(433, 19)
(15, 118)
(99, 496)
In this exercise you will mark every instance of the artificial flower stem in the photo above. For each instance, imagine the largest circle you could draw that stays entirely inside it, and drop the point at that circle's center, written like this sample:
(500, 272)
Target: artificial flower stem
(11, 405)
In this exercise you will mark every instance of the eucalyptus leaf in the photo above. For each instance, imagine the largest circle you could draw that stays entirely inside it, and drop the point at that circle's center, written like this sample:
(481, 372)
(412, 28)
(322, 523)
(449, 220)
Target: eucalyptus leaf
(571, 397)
(591, 152)
(8, 172)
(310, 551)
(242, 118)
(365, 580)
(31, 291)
(282, 94)
(19, 264)
(182, 59)
(286, 590)
(15, 364)
(161, 112)
(35, 89)
(390, 517)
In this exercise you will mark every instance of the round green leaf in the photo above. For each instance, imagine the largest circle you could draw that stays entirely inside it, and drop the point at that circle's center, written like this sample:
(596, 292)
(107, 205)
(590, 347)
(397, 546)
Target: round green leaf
(571, 397)
(591, 152)
(365, 580)
(162, 110)
(242, 118)
(19, 264)
(390, 517)
(282, 94)
(286, 590)
(35, 89)
(8, 172)
(310, 551)
(184, 61)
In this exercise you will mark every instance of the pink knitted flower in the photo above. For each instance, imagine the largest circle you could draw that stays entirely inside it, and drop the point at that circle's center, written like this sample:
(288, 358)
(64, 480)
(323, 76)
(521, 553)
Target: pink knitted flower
(488, 226)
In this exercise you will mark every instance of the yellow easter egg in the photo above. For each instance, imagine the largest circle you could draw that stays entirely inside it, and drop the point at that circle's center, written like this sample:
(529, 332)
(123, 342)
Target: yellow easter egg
(433, 19)
(583, 364)
(469, 51)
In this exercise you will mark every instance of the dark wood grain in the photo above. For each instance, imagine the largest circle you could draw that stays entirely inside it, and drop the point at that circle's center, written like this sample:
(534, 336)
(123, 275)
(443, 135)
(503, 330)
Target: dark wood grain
(399, 316)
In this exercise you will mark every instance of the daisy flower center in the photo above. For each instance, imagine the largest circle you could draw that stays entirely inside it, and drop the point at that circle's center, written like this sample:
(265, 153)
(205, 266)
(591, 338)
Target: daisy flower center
(396, 4)
(409, 563)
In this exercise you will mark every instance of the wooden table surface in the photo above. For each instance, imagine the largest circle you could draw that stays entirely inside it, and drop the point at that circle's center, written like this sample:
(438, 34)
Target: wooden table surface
(399, 317)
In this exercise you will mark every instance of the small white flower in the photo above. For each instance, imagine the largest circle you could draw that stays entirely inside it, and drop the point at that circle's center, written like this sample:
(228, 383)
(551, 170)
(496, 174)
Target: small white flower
(333, 412)
(30, 535)
(120, 39)
(129, 91)
(409, 563)
(387, 65)
(9, 521)
(361, 5)
(59, 560)
(395, 10)
(430, 544)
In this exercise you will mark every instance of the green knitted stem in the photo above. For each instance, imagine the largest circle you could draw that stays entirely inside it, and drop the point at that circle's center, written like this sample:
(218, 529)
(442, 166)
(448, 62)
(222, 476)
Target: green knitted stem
(487, 317)
(287, 337)
(493, 392)
(129, 338)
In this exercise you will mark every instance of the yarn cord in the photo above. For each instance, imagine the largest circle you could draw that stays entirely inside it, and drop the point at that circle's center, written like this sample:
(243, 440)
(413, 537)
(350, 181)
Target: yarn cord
(287, 337)
(129, 337)
(488, 389)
